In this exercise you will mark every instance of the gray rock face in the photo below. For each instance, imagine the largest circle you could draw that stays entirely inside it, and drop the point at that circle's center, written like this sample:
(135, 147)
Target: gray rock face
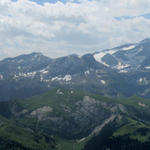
(87, 117)
(42, 112)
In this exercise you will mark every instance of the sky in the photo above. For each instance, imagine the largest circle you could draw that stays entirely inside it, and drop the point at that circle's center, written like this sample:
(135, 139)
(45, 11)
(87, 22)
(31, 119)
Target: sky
(63, 27)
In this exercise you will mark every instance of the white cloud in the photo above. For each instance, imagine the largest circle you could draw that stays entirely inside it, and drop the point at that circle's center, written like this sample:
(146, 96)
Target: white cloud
(59, 29)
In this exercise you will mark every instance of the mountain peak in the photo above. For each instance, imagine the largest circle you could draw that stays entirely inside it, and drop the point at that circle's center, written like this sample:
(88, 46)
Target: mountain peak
(126, 58)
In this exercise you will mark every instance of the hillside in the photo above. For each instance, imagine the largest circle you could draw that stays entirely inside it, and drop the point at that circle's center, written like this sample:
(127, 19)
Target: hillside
(69, 119)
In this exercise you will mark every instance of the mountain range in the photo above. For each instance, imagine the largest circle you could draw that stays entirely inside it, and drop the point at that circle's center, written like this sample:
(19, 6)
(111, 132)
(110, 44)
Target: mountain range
(118, 72)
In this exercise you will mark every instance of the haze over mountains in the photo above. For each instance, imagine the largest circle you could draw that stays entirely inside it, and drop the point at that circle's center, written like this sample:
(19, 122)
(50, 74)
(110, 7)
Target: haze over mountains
(118, 72)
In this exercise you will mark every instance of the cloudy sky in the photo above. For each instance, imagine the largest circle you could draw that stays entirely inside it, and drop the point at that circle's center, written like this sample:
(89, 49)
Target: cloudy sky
(58, 28)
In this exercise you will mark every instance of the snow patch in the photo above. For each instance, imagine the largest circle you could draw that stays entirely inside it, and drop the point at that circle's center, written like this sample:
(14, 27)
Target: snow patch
(123, 71)
(56, 78)
(143, 81)
(140, 80)
(87, 72)
(98, 57)
(147, 67)
(26, 75)
(47, 80)
(1, 77)
(59, 92)
(44, 71)
(121, 66)
(128, 48)
(41, 78)
(103, 82)
(67, 78)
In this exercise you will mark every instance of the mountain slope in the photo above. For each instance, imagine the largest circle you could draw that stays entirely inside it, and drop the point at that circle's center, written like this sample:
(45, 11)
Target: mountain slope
(70, 117)
(126, 58)
(133, 135)
(18, 138)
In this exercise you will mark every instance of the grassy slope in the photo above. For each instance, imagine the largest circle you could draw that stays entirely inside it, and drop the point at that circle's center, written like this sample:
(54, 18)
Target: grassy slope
(27, 137)
(132, 128)
(51, 99)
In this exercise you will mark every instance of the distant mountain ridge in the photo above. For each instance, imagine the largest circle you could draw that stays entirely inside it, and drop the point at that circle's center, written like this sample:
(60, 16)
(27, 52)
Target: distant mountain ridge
(126, 58)
(118, 72)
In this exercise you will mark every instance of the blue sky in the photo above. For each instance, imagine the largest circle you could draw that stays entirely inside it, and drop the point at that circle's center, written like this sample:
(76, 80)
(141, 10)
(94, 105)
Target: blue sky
(146, 16)
(83, 26)
(50, 1)
(41, 2)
